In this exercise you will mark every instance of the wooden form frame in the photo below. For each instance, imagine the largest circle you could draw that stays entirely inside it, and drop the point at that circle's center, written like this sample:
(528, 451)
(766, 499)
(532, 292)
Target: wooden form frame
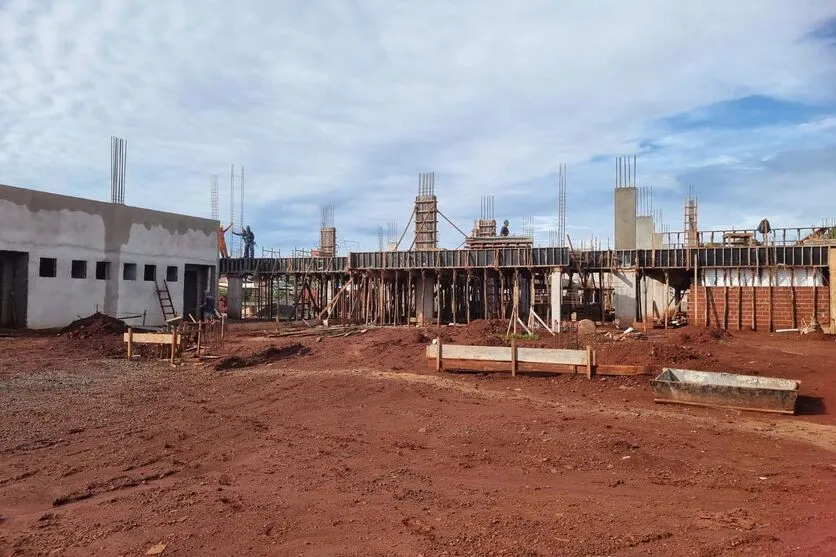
(501, 358)
(172, 338)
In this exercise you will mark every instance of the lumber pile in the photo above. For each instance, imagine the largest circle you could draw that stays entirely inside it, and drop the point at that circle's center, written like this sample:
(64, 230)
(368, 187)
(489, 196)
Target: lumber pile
(513, 358)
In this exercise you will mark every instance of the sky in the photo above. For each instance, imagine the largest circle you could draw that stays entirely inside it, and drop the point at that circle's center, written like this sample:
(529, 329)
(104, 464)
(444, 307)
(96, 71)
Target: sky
(345, 102)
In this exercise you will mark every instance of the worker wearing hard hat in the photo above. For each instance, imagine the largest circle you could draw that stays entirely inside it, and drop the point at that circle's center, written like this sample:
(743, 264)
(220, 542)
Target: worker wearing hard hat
(504, 230)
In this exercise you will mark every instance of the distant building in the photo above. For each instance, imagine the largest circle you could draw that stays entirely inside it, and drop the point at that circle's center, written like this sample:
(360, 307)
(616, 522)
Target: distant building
(63, 257)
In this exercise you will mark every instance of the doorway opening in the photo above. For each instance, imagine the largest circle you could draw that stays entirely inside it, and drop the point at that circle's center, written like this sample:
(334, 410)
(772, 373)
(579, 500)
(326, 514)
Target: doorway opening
(14, 266)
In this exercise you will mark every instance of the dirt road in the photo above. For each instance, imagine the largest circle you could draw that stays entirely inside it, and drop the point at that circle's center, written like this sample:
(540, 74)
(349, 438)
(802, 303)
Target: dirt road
(354, 448)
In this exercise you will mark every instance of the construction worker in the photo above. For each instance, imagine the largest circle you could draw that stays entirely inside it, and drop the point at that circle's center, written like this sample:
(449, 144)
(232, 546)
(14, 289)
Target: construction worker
(222, 241)
(249, 241)
(207, 310)
(504, 230)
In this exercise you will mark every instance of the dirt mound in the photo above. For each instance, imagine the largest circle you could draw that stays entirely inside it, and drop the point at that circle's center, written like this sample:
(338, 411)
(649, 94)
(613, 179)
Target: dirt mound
(269, 354)
(701, 335)
(95, 325)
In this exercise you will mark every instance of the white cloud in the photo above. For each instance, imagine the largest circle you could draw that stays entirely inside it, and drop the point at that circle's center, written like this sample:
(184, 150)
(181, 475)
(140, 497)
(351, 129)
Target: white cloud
(348, 102)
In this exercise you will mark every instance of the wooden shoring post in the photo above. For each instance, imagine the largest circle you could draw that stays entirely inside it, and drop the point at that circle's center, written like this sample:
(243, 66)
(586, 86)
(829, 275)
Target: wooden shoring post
(381, 300)
(513, 356)
(467, 294)
(130, 343)
(438, 357)
(295, 297)
(695, 288)
(725, 300)
(199, 338)
(438, 296)
(173, 345)
(397, 298)
(455, 287)
(485, 292)
(792, 298)
(530, 297)
(409, 303)
(754, 305)
(739, 301)
(365, 309)
(771, 302)
(517, 292)
(815, 298)
(667, 301)
(423, 316)
(501, 296)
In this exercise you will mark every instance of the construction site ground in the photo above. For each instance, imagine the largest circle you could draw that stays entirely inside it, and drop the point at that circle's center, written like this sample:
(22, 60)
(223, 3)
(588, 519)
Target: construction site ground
(354, 446)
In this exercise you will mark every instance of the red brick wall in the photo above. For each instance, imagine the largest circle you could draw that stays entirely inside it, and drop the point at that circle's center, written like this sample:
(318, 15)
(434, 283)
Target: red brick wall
(808, 300)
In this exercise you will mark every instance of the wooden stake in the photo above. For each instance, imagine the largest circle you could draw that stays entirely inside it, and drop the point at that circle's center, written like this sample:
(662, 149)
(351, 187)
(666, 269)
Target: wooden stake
(130, 343)
(589, 362)
(199, 338)
(667, 303)
(173, 345)
(438, 356)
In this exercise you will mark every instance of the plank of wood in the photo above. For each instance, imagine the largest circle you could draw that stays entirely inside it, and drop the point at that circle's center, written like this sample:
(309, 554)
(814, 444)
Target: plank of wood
(552, 356)
(151, 338)
(500, 367)
(461, 352)
(503, 354)
(617, 369)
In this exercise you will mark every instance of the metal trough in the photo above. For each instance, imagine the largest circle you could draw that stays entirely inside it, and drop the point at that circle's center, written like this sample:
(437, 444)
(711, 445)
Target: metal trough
(726, 390)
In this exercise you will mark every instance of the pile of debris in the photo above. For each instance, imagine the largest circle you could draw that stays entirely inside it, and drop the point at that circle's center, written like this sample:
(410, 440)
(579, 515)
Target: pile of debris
(96, 325)
(266, 356)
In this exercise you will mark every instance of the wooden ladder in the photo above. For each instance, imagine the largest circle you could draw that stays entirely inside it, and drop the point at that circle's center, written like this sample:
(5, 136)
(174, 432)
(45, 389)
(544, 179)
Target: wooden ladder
(166, 305)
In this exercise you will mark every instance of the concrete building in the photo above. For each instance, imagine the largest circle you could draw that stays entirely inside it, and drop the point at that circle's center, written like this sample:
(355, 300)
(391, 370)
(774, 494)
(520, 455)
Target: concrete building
(63, 257)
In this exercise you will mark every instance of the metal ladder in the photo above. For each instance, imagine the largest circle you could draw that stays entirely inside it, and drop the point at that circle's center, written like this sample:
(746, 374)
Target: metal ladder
(166, 305)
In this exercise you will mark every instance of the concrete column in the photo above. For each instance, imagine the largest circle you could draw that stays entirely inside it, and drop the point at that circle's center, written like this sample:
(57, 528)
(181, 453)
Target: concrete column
(424, 300)
(644, 233)
(624, 296)
(625, 218)
(556, 298)
(234, 297)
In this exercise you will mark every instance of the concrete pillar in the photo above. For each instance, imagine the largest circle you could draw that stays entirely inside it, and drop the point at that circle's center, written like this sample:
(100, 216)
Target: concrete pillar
(624, 296)
(424, 300)
(556, 298)
(625, 218)
(644, 233)
(234, 297)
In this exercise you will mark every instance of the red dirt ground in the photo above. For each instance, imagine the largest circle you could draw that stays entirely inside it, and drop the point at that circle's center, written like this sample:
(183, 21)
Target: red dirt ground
(353, 446)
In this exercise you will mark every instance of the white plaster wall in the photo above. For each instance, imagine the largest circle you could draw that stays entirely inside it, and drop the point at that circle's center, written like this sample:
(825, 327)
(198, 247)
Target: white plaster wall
(751, 277)
(67, 235)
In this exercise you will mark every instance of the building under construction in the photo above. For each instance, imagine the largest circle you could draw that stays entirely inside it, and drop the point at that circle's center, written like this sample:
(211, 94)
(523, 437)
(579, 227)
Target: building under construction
(761, 279)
